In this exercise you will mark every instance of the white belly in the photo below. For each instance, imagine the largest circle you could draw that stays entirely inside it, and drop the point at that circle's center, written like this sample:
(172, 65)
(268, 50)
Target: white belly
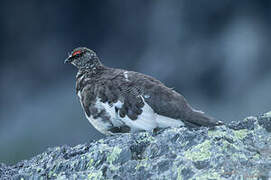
(97, 123)
(147, 120)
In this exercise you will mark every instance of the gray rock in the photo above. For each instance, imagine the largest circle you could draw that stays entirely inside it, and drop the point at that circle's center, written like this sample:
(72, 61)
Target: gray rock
(240, 150)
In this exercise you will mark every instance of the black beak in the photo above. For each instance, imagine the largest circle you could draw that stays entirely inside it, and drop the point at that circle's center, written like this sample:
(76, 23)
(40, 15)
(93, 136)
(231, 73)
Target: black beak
(68, 60)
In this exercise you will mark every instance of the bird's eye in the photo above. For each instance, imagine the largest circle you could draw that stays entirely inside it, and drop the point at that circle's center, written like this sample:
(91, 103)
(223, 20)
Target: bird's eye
(76, 53)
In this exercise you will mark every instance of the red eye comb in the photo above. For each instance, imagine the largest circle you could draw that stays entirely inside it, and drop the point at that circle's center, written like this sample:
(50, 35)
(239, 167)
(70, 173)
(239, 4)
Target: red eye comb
(76, 52)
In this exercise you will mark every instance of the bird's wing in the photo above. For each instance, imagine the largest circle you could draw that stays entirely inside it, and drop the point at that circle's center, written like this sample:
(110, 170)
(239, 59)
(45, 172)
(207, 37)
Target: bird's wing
(167, 102)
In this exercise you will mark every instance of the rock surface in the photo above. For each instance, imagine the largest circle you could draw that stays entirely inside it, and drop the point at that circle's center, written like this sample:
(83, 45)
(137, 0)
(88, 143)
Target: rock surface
(240, 150)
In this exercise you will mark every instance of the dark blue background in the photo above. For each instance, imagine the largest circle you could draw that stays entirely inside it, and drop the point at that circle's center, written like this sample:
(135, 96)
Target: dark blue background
(216, 53)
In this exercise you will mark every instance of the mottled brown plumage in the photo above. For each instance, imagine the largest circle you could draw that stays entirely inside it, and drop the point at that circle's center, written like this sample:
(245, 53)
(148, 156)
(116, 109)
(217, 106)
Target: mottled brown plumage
(132, 95)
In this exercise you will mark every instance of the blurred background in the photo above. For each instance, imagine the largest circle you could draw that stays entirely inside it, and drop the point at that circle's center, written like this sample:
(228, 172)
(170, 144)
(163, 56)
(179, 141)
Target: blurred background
(216, 53)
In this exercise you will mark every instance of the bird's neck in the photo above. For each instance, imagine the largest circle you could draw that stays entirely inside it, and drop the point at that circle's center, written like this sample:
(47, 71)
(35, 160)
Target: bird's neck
(93, 69)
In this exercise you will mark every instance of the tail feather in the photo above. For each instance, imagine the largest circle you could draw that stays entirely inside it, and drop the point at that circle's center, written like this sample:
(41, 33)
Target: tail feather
(198, 118)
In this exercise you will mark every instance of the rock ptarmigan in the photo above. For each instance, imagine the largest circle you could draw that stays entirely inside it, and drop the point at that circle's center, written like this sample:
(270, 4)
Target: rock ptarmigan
(120, 101)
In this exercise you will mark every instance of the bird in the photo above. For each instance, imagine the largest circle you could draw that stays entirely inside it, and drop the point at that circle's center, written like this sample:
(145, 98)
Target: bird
(120, 101)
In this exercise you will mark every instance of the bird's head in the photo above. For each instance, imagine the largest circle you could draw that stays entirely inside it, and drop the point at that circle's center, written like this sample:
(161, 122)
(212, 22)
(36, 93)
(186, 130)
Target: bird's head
(83, 58)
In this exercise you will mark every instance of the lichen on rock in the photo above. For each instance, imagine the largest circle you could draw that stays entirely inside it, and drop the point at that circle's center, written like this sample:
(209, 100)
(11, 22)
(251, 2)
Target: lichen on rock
(239, 150)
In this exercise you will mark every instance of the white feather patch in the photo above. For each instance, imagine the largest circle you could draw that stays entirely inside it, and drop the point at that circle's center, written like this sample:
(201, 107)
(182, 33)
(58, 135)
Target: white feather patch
(164, 122)
(147, 120)
(98, 122)
(110, 110)
(126, 75)
(199, 111)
